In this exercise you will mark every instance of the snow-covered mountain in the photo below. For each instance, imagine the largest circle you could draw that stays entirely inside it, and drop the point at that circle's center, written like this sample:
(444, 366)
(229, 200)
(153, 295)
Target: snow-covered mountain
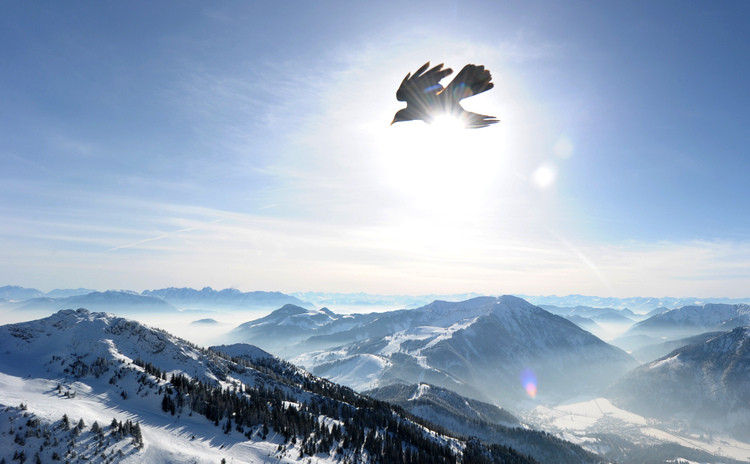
(111, 300)
(291, 329)
(440, 406)
(657, 350)
(704, 385)
(14, 292)
(485, 421)
(229, 298)
(697, 318)
(94, 387)
(183, 298)
(605, 323)
(362, 302)
(684, 322)
(292, 316)
(479, 348)
(639, 305)
(595, 314)
(66, 292)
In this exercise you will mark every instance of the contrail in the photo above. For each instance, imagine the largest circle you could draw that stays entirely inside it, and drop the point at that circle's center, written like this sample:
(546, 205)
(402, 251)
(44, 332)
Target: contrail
(33, 164)
(592, 267)
(159, 237)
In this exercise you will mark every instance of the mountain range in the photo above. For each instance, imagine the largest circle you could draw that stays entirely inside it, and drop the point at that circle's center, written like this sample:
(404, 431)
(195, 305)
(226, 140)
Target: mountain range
(595, 314)
(81, 385)
(704, 385)
(684, 322)
(362, 302)
(689, 320)
(208, 298)
(638, 305)
(155, 301)
(480, 348)
(98, 301)
(446, 367)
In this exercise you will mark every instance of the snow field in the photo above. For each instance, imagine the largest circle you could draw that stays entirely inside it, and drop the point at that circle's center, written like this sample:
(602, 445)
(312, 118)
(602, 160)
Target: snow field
(576, 422)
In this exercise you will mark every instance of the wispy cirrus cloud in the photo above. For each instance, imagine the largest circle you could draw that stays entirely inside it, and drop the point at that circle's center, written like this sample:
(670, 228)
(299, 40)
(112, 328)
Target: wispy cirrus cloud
(203, 246)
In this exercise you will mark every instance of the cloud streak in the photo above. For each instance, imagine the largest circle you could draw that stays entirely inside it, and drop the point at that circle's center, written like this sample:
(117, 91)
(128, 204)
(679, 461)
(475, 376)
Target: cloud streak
(219, 248)
(159, 237)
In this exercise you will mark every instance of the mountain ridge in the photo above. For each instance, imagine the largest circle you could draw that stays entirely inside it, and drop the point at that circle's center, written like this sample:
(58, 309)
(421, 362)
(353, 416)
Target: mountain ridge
(268, 410)
(450, 344)
(704, 384)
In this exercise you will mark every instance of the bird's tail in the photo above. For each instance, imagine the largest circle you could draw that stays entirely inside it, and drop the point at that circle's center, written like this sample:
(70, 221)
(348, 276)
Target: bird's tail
(471, 80)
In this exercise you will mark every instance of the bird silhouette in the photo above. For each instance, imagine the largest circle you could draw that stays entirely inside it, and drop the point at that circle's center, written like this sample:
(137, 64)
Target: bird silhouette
(426, 99)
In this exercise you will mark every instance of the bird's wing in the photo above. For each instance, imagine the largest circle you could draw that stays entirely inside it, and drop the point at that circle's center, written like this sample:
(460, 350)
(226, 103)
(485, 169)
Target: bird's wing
(471, 80)
(415, 88)
(476, 120)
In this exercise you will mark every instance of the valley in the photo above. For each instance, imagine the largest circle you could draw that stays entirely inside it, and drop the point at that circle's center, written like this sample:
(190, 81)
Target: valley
(513, 374)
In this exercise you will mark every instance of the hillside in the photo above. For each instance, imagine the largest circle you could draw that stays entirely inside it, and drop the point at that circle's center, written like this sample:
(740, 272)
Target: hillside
(704, 386)
(478, 348)
(684, 322)
(485, 421)
(177, 402)
(691, 320)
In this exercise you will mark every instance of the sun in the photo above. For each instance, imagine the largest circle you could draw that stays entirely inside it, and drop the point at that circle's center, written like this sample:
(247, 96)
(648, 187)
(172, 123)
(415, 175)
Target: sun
(441, 168)
(448, 125)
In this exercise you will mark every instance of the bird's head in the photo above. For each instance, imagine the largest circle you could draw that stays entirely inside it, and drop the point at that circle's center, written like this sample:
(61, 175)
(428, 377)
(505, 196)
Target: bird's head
(402, 115)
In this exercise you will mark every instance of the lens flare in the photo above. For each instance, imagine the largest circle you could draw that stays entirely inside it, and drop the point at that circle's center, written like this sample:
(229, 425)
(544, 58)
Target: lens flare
(528, 380)
(544, 176)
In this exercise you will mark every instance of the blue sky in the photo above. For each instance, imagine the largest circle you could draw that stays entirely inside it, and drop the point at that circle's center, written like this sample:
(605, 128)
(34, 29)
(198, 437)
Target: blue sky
(246, 144)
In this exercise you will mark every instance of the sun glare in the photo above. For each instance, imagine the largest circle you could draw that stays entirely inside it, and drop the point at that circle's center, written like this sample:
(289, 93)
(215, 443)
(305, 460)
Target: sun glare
(441, 168)
(544, 176)
(448, 123)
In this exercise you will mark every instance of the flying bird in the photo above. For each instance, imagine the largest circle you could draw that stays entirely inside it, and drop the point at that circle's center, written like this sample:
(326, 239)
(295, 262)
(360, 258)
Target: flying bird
(426, 99)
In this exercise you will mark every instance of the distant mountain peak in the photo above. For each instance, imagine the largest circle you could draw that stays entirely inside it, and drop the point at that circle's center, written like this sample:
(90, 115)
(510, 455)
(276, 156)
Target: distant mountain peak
(290, 309)
(478, 347)
(228, 298)
(14, 292)
(327, 311)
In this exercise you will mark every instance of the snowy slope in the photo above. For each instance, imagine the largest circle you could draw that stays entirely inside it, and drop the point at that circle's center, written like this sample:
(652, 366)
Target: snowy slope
(626, 438)
(704, 384)
(438, 405)
(483, 420)
(279, 331)
(189, 404)
(292, 330)
(479, 348)
(655, 351)
(64, 349)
